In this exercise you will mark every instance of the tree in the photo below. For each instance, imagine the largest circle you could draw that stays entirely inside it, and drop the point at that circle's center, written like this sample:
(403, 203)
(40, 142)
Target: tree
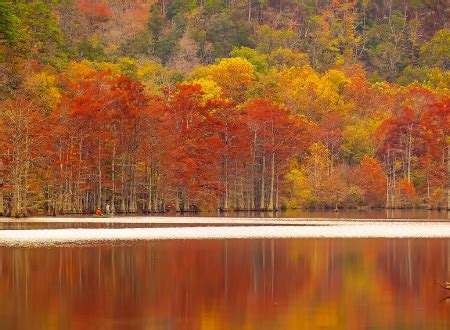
(22, 134)
(258, 60)
(283, 58)
(193, 155)
(9, 23)
(268, 39)
(276, 138)
(372, 181)
(435, 133)
(233, 75)
(43, 37)
(435, 53)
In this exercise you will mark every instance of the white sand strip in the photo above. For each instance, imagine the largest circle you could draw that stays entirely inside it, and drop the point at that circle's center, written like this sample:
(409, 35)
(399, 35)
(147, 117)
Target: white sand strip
(47, 237)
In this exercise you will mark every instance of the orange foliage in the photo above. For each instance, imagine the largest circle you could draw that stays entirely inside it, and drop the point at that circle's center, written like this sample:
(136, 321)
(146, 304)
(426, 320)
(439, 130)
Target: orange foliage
(94, 8)
(406, 190)
(372, 181)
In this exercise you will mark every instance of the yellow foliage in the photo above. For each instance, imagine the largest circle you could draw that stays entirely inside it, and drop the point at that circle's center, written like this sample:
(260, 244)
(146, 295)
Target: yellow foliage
(77, 70)
(153, 76)
(307, 93)
(43, 86)
(148, 69)
(128, 66)
(210, 88)
(301, 194)
(232, 75)
(335, 80)
(296, 87)
(439, 80)
(286, 58)
(104, 66)
(384, 87)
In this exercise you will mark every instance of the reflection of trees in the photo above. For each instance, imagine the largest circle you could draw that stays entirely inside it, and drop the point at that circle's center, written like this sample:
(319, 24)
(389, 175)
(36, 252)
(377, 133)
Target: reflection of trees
(226, 284)
(413, 270)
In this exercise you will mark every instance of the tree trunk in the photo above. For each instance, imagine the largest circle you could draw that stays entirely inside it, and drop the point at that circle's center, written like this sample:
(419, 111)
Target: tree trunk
(236, 200)
(242, 201)
(99, 172)
(122, 179)
(24, 206)
(113, 179)
(388, 187)
(448, 177)
(409, 154)
(263, 188)
(277, 200)
(156, 204)
(133, 204)
(225, 201)
(393, 186)
(15, 203)
(2, 205)
(271, 205)
(61, 186)
(177, 203)
(79, 194)
(149, 197)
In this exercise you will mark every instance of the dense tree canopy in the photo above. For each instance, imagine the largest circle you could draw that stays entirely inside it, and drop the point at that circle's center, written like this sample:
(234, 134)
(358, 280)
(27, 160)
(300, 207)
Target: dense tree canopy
(174, 104)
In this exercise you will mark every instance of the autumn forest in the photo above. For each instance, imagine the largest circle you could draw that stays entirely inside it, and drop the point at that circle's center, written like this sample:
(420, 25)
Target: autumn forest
(185, 105)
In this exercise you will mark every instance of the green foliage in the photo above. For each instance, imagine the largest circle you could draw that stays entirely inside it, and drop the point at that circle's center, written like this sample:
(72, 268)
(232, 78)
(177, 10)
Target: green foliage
(155, 76)
(224, 33)
(358, 141)
(92, 49)
(9, 23)
(164, 39)
(155, 22)
(281, 58)
(177, 7)
(251, 55)
(436, 52)
(390, 40)
(268, 39)
(141, 45)
(390, 46)
(128, 67)
(43, 38)
(411, 74)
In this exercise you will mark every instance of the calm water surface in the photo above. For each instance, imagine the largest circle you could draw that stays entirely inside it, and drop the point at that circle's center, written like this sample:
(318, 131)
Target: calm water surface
(228, 284)
(114, 222)
(380, 214)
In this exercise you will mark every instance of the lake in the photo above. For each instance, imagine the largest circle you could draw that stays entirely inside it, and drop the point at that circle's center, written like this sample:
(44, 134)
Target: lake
(259, 284)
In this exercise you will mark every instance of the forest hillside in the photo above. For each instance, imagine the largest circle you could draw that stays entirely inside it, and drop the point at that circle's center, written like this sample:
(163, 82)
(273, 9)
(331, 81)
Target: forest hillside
(189, 105)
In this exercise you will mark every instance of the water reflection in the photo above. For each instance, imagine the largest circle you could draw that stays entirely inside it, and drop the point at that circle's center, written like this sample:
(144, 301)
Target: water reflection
(380, 214)
(234, 284)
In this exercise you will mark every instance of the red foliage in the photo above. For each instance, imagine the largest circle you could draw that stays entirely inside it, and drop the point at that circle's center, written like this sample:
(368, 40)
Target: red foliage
(372, 181)
(406, 189)
(94, 8)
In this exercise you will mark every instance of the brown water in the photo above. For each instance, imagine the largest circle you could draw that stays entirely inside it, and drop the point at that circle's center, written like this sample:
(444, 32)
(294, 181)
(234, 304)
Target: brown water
(228, 284)
(149, 221)
(380, 214)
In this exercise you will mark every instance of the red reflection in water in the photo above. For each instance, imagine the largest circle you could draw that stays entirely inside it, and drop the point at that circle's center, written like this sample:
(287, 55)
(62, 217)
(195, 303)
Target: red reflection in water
(234, 284)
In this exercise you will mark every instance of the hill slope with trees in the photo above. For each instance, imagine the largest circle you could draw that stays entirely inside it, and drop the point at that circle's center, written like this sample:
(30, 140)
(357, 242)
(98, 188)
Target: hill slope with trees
(150, 105)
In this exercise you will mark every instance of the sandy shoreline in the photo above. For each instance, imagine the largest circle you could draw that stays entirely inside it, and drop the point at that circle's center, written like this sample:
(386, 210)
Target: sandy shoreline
(50, 237)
